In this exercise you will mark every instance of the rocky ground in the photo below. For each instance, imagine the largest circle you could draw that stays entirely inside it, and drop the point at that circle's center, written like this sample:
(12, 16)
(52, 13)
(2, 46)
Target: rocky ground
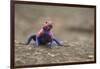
(77, 49)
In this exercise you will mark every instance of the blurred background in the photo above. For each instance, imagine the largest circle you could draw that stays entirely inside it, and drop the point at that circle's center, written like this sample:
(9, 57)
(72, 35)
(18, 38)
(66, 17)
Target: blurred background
(66, 20)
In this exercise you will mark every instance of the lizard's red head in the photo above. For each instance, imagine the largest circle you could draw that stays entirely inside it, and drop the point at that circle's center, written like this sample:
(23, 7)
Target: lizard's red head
(47, 26)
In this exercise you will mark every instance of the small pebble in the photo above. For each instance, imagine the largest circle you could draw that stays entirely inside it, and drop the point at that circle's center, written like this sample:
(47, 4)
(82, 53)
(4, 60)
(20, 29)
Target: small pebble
(90, 56)
(51, 55)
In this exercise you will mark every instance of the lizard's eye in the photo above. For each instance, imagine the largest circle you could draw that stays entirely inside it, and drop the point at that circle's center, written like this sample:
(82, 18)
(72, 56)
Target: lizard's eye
(50, 26)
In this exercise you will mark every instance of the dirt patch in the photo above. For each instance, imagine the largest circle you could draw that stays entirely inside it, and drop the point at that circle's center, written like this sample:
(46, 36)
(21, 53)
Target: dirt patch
(80, 50)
